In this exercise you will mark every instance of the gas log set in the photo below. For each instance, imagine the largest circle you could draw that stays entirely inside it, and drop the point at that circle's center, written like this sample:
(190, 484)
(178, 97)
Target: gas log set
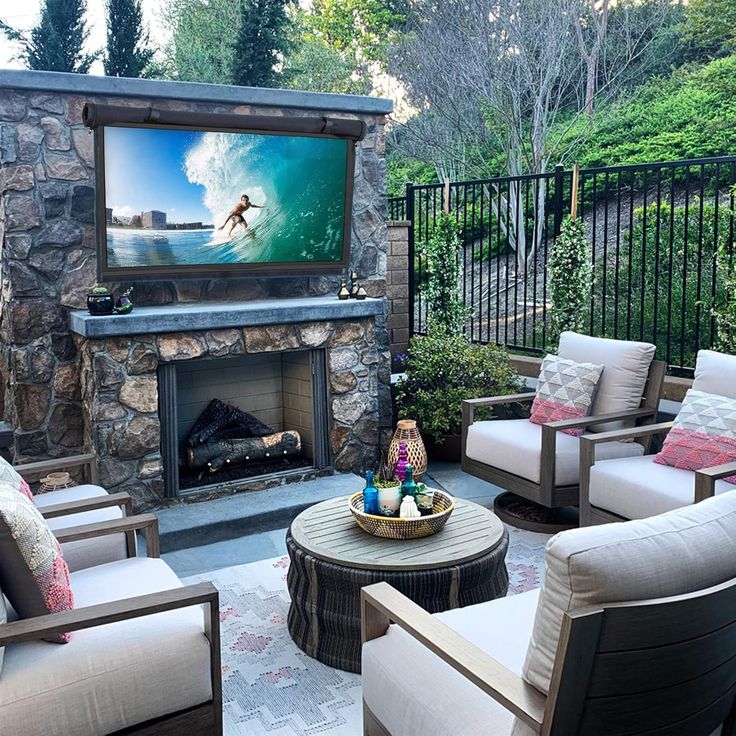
(224, 435)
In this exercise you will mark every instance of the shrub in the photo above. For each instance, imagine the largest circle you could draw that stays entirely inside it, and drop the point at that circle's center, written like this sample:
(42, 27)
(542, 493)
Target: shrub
(570, 274)
(443, 369)
(446, 311)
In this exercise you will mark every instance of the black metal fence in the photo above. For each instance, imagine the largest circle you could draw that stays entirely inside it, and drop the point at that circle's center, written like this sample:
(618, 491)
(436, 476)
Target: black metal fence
(653, 228)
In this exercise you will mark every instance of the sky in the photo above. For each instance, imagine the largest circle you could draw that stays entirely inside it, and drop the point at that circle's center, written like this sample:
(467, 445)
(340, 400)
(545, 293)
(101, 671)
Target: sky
(144, 171)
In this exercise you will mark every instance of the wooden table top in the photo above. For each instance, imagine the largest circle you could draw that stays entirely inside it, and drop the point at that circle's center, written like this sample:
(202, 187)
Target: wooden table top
(328, 531)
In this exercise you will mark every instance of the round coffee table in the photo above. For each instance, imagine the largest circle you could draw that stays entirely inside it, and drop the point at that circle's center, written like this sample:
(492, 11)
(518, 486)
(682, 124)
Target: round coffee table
(332, 558)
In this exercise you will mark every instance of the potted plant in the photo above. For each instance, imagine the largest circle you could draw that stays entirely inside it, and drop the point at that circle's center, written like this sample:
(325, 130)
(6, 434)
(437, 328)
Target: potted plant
(440, 371)
(443, 367)
(389, 489)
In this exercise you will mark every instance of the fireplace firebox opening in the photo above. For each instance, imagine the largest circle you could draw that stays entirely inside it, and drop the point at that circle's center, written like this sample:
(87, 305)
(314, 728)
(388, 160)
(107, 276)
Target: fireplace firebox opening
(229, 420)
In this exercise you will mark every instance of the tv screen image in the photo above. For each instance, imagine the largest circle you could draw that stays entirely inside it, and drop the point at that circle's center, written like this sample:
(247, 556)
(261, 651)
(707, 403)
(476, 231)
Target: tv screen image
(180, 201)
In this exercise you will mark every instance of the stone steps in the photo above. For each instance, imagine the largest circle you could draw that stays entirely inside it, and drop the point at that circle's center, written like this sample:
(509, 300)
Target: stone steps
(243, 514)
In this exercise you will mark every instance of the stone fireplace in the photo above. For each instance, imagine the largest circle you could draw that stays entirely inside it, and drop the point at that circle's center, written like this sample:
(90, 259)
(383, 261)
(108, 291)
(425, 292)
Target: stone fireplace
(73, 384)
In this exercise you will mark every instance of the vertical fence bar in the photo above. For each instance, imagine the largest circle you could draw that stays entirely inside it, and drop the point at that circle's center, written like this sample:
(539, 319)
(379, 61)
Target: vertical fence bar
(410, 256)
(559, 202)
(657, 236)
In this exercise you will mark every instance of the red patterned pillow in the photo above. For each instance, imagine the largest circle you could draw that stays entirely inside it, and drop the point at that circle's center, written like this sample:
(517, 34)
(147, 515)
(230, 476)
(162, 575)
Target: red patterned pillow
(8, 474)
(703, 434)
(565, 391)
(33, 574)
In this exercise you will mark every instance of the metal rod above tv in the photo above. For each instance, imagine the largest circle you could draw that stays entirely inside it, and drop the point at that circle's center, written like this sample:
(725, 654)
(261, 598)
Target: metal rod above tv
(95, 115)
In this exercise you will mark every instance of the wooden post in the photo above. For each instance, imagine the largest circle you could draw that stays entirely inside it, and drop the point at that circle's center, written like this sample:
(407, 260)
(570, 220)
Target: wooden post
(446, 206)
(574, 196)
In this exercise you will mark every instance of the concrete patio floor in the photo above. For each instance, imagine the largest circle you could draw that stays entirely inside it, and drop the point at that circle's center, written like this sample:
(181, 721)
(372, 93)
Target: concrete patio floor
(252, 526)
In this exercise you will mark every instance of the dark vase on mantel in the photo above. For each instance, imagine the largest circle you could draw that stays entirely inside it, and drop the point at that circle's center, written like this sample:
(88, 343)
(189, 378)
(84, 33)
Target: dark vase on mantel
(100, 302)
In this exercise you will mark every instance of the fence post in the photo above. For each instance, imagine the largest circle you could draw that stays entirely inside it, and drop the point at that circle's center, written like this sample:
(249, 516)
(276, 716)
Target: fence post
(559, 202)
(409, 212)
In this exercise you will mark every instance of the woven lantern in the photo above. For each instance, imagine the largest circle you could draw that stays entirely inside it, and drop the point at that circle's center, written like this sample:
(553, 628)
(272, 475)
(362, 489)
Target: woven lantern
(55, 482)
(406, 431)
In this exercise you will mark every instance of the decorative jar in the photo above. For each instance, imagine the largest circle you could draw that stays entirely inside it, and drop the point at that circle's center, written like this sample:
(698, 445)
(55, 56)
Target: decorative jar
(406, 431)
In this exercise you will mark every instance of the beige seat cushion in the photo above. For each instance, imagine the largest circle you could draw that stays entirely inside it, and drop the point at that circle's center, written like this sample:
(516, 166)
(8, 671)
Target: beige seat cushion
(414, 693)
(113, 676)
(672, 554)
(715, 373)
(626, 367)
(515, 445)
(87, 552)
(636, 488)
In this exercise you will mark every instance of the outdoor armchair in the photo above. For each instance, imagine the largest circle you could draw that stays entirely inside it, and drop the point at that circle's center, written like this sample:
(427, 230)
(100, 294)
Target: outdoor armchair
(571, 659)
(143, 658)
(638, 487)
(541, 462)
(86, 503)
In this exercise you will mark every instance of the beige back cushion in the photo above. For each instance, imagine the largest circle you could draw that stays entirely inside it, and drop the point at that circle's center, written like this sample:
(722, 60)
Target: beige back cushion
(625, 372)
(671, 554)
(715, 373)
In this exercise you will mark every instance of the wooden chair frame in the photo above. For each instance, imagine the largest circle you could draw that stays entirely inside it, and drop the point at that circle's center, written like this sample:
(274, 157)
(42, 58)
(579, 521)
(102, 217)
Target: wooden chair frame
(201, 719)
(704, 481)
(546, 492)
(31, 471)
(606, 663)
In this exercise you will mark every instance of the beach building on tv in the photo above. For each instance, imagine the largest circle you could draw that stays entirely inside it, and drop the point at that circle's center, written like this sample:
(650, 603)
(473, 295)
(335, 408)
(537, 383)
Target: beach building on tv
(153, 220)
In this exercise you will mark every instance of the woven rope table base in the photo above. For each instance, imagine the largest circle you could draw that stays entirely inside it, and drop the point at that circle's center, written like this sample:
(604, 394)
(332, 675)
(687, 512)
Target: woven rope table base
(324, 617)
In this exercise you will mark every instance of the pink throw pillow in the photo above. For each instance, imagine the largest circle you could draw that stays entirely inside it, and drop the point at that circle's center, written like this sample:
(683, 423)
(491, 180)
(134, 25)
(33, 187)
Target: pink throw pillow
(703, 434)
(565, 391)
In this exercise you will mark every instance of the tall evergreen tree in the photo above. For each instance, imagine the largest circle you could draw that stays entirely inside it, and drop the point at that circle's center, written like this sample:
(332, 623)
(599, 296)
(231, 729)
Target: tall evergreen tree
(127, 53)
(57, 41)
(262, 36)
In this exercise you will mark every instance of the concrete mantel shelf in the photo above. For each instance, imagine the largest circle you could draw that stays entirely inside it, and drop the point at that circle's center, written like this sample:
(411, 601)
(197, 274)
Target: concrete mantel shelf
(218, 315)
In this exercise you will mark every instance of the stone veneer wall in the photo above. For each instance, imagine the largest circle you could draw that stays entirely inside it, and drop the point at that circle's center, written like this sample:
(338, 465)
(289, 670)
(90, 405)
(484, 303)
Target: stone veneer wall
(48, 257)
(397, 289)
(119, 384)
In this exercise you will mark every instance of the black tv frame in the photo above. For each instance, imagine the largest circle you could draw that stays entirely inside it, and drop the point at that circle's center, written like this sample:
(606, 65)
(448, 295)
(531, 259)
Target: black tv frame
(98, 117)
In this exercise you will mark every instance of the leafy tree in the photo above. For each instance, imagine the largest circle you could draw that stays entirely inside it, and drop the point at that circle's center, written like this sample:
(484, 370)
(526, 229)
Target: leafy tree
(711, 26)
(202, 40)
(312, 64)
(362, 27)
(56, 43)
(262, 36)
(127, 53)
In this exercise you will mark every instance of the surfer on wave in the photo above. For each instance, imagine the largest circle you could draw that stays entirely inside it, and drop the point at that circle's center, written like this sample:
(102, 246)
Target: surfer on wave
(236, 214)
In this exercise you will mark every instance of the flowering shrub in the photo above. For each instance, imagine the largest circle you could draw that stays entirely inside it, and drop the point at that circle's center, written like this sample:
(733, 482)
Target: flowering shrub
(570, 273)
(443, 369)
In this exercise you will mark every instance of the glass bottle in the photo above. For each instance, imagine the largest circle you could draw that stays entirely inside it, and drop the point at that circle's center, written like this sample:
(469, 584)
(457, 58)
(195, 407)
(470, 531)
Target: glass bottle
(409, 487)
(370, 495)
(402, 462)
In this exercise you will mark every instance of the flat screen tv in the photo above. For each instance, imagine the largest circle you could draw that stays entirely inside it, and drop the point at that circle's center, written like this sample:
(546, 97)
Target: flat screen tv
(183, 201)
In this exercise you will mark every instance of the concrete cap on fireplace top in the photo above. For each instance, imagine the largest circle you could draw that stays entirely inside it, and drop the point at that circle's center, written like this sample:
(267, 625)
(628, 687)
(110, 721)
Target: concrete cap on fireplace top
(223, 94)
(217, 315)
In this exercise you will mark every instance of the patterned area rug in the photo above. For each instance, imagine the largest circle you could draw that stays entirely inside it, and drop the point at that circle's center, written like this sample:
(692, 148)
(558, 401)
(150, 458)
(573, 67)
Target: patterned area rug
(270, 687)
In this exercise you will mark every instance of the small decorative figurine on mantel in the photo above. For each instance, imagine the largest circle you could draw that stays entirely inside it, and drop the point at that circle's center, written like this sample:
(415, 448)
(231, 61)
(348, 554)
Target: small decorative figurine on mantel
(354, 285)
(362, 293)
(342, 292)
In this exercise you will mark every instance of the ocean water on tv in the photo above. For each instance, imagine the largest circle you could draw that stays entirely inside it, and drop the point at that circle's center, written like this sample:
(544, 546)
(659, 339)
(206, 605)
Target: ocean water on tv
(301, 221)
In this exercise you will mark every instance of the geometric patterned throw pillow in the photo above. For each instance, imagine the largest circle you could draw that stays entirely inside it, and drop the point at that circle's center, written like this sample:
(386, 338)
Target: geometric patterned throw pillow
(8, 474)
(33, 574)
(565, 391)
(703, 434)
